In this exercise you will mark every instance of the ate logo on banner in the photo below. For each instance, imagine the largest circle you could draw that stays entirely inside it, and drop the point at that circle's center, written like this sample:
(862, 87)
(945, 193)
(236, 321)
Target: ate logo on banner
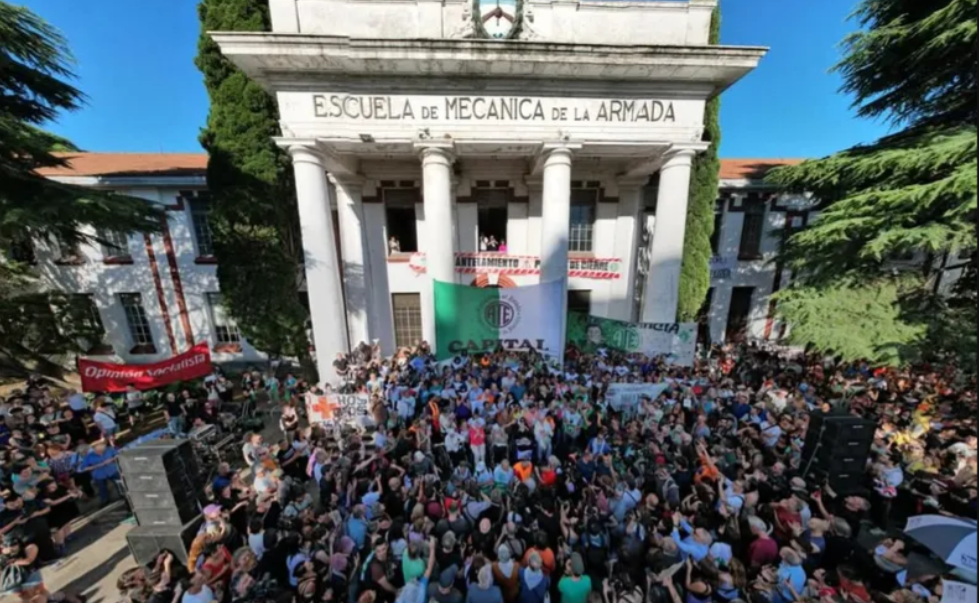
(499, 314)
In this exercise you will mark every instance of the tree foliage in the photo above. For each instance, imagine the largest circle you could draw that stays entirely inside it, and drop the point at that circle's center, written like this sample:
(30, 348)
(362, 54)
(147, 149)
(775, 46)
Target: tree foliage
(253, 203)
(704, 180)
(914, 64)
(35, 69)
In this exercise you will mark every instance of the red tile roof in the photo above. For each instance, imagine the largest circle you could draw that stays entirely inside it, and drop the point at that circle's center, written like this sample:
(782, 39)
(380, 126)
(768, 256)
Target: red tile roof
(181, 164)
(129, 164)
(751, 169)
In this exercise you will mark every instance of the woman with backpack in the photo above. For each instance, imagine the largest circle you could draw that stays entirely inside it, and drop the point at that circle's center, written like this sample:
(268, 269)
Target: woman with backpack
(21, 574)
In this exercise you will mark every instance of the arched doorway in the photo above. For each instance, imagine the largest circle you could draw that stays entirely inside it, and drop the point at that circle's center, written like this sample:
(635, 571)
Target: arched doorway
(486, 281)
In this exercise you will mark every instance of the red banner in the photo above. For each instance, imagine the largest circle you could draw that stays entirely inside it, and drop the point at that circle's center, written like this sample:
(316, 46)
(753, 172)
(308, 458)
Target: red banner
(108, 377)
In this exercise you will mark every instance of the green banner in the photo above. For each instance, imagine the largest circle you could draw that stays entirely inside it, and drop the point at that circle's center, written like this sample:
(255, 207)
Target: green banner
(676, 341)
(476, 320)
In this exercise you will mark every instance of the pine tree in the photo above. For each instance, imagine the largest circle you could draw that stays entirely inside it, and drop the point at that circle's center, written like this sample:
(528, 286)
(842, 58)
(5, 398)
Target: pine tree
(35, 66)
(253, 202)
(913, 64)
(704, 180)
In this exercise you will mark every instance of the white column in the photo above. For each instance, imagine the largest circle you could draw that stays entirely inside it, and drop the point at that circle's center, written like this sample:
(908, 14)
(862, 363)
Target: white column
(437, 196)
(322, 268)
(555, 226)
(627, 230)
(441, 237)
(663, 283)
(356, 262)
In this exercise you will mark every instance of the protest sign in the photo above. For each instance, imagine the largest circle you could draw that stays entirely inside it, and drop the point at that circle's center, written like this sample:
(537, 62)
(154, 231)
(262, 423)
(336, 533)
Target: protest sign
(626, 396)
(331, 409)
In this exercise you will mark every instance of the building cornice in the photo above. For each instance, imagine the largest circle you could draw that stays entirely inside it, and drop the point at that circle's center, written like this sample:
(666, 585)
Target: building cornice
(273, 58)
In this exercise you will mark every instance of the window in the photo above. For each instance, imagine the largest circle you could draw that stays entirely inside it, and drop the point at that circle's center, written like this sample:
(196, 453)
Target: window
(200, 210)
(81, 320)
(715, 237)
(22, 250)
(740, 309)
(402, 225)
(89, 316)
(407, 319)
(115, 245)
(752, 230)
(68, 252)
(225, 329)
(491, 204)
(583, 202)
(139, 327)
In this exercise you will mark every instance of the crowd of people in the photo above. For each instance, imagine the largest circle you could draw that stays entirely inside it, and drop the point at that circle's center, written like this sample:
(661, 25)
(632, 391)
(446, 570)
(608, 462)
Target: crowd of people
(500, 478)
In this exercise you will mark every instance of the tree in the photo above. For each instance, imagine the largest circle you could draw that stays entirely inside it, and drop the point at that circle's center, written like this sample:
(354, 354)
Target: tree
(704, 180)
(253, 203)
(34, 69)
(913, 64)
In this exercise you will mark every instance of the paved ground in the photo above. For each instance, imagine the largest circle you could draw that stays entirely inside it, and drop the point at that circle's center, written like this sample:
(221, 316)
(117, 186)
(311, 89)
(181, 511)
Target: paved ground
(97, 558)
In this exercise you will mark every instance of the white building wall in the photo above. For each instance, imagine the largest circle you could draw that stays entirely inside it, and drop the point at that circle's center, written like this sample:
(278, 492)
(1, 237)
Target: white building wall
(374, 229)
(468, 226)
(517, 227)
(759, 274)
(535, 211)
(105, 281)
(583, 22)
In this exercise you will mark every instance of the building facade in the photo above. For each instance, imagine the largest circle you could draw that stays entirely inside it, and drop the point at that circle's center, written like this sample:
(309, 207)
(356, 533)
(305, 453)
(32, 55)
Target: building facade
(158, 294)
(155, 295)
(563, 113)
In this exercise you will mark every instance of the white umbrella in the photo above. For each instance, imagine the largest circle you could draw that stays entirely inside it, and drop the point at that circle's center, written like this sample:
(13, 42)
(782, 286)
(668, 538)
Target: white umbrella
(951, 538)
(958, 592)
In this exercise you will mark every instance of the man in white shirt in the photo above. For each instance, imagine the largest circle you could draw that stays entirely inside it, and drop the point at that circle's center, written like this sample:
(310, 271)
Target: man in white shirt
(543, 433)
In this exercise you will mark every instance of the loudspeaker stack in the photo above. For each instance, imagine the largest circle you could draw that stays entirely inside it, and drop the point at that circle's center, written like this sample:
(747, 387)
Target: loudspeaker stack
(837, 448)
(163, 486)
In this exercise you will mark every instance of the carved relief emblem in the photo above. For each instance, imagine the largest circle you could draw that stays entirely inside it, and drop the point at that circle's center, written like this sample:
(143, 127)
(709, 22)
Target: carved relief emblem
(498, 19)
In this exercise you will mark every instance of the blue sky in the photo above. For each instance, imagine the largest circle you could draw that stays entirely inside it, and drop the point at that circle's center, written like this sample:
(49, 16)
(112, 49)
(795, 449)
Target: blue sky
(135, 64)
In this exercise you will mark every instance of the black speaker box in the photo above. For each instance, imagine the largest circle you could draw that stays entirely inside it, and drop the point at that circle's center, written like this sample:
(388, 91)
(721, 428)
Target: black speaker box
(155, 499)
(161, 482)
(837, 448)
(174, 516)
(178, 482)
(160, 456)
(145, 542)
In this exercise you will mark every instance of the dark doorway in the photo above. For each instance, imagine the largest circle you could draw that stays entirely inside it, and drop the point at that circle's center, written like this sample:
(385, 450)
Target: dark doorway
(579, 301)
(737, 316)
(703, 319)
(491, 214)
